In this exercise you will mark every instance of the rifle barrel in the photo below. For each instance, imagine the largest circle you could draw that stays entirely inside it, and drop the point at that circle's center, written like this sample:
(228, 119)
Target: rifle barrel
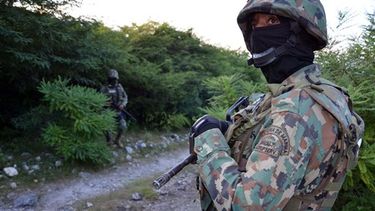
(163, 179)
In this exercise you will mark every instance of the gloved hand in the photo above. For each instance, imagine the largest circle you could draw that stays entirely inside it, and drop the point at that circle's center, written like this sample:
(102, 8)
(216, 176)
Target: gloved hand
(120, 107)
(202, 125)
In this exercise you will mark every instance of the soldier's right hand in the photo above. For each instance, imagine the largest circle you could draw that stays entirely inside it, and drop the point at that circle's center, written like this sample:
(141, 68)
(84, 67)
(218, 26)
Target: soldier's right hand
(203, 124)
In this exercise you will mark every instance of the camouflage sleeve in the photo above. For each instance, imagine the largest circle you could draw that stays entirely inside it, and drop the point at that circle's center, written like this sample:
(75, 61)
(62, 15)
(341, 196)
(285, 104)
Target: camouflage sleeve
(123, 97)
(273, 171)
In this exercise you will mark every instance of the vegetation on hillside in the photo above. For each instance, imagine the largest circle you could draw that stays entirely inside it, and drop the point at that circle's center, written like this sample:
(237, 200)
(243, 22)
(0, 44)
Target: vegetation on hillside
(171, 77)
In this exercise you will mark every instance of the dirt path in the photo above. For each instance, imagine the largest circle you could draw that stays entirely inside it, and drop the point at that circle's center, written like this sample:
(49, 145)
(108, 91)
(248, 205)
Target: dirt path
(62, 195)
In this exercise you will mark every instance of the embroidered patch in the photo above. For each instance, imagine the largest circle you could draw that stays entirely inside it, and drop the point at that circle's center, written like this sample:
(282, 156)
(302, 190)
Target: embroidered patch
(274, 142)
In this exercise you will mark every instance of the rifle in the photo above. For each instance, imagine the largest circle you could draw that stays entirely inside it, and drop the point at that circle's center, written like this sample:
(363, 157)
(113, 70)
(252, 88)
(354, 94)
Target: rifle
(129, 115)
(163, 179)
(242, 102)
(123, 111)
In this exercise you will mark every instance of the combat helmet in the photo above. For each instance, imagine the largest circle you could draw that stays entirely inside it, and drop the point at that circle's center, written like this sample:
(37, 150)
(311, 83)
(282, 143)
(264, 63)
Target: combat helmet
(308, 14)
(112, 73)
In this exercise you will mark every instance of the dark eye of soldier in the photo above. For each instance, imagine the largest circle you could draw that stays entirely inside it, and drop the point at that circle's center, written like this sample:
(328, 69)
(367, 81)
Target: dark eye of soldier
(263, 20)
(273, 20)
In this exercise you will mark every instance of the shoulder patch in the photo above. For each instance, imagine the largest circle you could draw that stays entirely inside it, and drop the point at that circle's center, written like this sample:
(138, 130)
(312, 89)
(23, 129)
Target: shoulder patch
(274, 141)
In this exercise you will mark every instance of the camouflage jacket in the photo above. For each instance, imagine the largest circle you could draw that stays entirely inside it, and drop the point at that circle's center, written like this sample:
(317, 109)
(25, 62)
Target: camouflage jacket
(116, 94)
(286, 150)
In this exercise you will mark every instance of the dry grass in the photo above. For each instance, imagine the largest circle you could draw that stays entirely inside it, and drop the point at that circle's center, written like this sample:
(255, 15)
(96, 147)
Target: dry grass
(121, 197)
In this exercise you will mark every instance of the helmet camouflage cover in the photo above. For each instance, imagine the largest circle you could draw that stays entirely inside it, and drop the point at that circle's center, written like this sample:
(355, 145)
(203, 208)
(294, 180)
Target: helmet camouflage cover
(309, 14)
(112, 73)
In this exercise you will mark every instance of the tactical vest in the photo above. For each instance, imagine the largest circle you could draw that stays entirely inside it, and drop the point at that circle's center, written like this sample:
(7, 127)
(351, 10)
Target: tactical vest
(114, 93)
(248, 121)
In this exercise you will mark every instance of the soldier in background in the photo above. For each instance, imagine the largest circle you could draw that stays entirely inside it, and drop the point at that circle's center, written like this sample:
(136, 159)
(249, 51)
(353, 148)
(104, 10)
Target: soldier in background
(118, 100)
(292, 149)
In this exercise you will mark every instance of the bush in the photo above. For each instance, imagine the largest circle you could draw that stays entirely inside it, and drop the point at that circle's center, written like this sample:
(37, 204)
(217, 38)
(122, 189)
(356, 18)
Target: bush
(78, 134)
(225, 91)
(177, 121)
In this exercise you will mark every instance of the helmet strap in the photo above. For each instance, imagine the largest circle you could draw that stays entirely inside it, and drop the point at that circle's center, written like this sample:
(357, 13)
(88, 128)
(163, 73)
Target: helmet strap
(270, 55)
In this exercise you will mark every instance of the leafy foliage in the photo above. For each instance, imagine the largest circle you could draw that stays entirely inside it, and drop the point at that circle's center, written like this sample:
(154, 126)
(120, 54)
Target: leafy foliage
(167, 69)
(35, 46)
(78, 135)
(51, 6)
(226, 89)
(170, 76)
(176, 121)
(354, 68)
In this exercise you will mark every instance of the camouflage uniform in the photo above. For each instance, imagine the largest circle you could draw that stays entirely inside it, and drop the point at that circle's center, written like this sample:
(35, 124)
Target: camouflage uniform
(292, 150)
(117, 95)
(118, 98)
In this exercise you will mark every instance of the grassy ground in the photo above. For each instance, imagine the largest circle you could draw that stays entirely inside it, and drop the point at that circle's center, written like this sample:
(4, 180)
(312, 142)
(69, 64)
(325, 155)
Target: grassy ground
(114, 200)
(178, 194)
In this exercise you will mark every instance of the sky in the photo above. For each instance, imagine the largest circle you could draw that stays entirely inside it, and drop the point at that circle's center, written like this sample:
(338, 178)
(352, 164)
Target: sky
(213, 21)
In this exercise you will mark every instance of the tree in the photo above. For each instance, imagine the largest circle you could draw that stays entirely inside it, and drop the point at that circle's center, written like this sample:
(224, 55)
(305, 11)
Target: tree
(40, 6)
(36, 46)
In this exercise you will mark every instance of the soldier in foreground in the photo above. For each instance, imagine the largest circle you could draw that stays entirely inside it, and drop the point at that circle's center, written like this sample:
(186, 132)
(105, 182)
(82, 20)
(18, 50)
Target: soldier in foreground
(292, 150)
(118, 100)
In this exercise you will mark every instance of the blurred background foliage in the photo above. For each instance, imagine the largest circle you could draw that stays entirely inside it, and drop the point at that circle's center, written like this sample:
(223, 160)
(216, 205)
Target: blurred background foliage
(171, 78)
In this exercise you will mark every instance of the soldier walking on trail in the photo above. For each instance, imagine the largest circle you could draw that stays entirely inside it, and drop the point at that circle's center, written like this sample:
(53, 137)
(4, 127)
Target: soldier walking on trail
(118, 100)
(292, 149)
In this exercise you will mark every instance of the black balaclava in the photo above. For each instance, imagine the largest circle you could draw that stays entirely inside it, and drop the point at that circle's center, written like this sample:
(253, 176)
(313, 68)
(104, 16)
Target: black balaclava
(112, 81)
(298, 54)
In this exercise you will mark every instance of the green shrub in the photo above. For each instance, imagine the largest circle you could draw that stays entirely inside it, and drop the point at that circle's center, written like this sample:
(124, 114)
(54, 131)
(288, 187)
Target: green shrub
(214, 111)
(225, 91)
(33, 121)
(78, 134)
(176, 121)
